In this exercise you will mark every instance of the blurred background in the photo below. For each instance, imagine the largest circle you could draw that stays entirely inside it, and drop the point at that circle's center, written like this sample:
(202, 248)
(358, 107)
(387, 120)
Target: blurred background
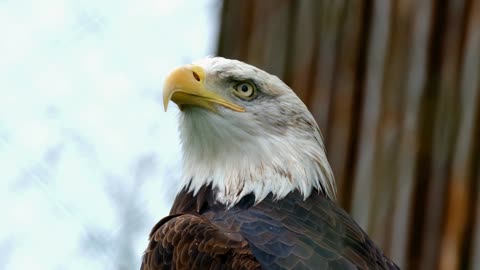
(88, 158)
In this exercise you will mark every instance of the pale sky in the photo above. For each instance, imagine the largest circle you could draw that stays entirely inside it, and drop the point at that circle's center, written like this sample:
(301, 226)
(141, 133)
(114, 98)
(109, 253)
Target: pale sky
(88, 157)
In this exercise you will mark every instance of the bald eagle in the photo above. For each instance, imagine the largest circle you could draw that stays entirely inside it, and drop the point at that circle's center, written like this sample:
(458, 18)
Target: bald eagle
(257, 191)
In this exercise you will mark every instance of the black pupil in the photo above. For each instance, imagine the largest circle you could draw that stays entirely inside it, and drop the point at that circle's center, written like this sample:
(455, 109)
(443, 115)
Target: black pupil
(245, 88)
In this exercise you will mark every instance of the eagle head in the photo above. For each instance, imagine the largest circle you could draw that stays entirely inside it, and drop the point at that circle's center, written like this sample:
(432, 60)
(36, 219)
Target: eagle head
(244, 131)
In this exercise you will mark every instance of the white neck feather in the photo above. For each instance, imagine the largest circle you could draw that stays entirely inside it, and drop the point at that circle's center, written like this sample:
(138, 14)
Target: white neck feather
(237, 161)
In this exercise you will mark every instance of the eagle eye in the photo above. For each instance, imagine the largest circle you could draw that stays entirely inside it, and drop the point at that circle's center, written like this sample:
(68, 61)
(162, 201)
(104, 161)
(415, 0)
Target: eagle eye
(244, 90)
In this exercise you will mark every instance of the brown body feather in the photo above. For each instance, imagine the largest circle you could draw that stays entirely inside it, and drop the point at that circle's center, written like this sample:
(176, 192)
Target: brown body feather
(286, 234)
(192, 242)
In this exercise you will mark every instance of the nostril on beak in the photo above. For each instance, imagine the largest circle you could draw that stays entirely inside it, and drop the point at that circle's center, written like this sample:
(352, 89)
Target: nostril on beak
(195, 75)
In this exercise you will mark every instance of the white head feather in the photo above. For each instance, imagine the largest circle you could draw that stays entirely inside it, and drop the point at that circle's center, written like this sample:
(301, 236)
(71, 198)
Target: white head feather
(274, 146)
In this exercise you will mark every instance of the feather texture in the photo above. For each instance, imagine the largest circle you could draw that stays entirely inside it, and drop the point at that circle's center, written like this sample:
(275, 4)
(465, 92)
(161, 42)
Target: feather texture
(286, 234)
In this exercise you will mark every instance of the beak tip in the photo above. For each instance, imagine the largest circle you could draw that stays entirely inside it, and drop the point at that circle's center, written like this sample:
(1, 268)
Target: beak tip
(167, 95)
(165, 106)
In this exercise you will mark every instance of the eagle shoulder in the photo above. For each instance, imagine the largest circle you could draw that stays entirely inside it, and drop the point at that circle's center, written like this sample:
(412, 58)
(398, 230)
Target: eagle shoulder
(313, 234)
(188, 241)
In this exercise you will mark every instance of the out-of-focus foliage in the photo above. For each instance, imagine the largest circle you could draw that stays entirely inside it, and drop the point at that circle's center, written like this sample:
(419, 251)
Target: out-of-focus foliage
(88, 157)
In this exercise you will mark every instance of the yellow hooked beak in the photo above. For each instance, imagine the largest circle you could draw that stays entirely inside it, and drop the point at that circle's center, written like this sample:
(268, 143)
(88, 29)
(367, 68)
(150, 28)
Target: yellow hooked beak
(185, 86)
